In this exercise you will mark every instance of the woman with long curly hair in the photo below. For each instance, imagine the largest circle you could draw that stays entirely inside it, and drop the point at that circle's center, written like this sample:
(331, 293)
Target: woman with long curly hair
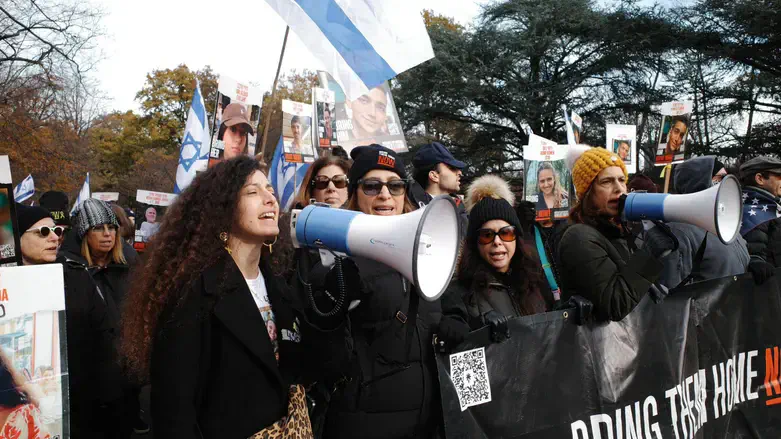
(496, 278)
(210, 326)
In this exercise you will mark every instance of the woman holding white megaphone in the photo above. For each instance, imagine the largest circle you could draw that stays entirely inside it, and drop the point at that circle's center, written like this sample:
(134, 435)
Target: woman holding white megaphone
(597, 254)
(389, 388)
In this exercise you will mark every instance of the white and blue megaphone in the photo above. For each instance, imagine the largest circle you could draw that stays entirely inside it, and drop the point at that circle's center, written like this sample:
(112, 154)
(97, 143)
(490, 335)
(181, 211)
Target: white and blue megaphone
(421, 245)
(718, 210)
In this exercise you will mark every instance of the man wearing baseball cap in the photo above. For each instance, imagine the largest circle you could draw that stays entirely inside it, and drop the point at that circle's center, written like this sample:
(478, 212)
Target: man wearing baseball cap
(436, 173)
(233, 130)
(761, 227)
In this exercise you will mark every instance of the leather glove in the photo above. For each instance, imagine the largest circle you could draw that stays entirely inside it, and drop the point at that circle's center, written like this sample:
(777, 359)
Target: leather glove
(498, 323)
(526, 212)
(761, 270)
(344, 272)
(660, 241)
(583, 308)
(452, 333)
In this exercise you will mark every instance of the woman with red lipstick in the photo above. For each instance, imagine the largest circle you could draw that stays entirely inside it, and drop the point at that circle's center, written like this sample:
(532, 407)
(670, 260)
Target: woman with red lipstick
(496, 278)
(598, 255)
(389, 389)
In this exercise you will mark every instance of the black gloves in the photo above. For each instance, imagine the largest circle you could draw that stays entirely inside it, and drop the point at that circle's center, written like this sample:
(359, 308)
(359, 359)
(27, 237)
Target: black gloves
(498, 323)
(526, 212)
(660, 240)
(583, 308)
(331, 299)
(452, 333)
(761, 270)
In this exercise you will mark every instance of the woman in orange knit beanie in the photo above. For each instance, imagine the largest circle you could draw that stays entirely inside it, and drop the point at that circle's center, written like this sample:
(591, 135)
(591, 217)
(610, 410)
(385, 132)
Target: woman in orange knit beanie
(598, 256)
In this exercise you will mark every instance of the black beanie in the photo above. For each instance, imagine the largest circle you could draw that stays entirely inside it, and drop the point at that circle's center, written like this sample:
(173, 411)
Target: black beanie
(489, 209)
(717, 166)
(26, 216)
(371, 157)
(57, 203)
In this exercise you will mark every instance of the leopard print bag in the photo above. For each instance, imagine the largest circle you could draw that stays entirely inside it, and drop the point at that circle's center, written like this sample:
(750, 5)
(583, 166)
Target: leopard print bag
(295, 425)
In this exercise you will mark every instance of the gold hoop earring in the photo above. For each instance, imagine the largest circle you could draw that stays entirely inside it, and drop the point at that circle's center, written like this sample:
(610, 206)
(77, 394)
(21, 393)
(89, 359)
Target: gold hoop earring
(271, 246)
(224, 239)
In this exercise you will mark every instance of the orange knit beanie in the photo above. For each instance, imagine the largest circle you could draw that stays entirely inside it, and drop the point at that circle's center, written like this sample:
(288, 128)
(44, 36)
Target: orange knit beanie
(590, 164)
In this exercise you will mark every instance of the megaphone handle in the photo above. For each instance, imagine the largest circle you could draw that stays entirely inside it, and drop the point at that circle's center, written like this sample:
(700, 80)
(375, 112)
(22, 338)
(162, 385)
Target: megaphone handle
(310, 294)
(664, 227)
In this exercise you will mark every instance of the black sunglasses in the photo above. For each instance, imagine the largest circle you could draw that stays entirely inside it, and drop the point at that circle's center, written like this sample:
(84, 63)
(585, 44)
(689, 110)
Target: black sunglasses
(45, 230)
(321, 181)
(486, 236)
(373, 187)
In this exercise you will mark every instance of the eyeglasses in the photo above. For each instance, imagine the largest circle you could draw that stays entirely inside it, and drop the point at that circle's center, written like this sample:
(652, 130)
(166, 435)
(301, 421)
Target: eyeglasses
(321, 182)
(45, 230)
(373, 187)
(486, 236)
(101, 228)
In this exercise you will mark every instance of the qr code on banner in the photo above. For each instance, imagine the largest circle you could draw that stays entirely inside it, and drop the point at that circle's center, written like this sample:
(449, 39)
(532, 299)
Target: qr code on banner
(469, 374)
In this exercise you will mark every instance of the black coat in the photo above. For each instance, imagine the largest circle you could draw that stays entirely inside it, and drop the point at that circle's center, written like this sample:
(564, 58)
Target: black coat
(601, 266)
(383, 398)
(213, 371)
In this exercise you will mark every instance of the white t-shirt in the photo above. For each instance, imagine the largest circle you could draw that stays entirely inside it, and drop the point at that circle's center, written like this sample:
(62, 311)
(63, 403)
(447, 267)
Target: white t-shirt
(257, 287)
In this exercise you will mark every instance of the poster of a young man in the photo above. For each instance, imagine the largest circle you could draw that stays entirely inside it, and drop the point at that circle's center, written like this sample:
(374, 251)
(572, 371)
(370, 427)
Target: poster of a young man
(235, 121)
(676, 118)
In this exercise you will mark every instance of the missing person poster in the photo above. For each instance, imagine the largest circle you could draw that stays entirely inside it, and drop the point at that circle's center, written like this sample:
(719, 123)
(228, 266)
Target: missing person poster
(9, 233)
(34, 371)
(235, 123)
(676, 119)
(621, 140)
(297, 132)
(371, 118)
(324, 100)
(547, 181)
(153, 206)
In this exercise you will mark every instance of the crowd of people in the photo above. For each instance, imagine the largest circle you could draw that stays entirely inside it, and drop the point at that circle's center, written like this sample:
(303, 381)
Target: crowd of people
(240, 335)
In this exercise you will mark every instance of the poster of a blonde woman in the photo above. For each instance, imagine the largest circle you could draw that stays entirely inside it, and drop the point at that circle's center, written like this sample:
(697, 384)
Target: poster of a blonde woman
(19, 414)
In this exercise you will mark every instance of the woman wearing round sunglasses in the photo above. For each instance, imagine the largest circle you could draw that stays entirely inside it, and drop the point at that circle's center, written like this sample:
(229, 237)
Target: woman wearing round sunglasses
(325, 182)
(39, 240)
(388, 388)
(496, 278)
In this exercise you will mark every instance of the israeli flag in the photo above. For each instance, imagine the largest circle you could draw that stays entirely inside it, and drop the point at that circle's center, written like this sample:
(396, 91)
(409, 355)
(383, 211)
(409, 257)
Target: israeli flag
(84, 194)
(361, 43)
(285, 177)
(25, 189)
(194, 154)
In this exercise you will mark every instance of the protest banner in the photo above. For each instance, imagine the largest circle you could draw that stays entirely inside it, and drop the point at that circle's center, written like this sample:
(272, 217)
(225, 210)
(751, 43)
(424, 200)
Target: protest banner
(155, 198)
(622, 140)
(324, 101)
(297, 132)
(547, 181)
(244, 114)
(371, 118)
(704, 363)
(5, 170)
(106, 196)
(9, 231)
(676, 119)
(32, 350)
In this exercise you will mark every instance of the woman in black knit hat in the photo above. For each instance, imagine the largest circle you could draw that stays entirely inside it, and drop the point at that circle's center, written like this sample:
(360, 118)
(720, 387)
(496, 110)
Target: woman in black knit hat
(40, 237)
(496, 278)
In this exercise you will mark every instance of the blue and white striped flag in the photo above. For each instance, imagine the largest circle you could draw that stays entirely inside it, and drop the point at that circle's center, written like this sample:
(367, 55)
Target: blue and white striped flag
(285, 177)
(361, 43)
(25, 189)
(194, 154)
(83, 195)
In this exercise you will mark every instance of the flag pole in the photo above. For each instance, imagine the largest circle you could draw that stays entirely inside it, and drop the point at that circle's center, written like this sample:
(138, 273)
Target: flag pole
(267, 119)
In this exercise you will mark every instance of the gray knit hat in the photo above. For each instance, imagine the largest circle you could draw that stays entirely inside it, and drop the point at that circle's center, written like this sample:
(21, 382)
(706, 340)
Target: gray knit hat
(92, 213)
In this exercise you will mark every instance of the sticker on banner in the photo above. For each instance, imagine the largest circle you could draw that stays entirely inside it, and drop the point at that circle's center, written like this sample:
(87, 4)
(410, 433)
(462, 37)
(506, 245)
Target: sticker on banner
(469, 374)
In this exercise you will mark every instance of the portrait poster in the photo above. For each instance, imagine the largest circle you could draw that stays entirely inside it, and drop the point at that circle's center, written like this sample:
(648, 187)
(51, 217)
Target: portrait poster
(297, 132)
(324, 101)
(235, 121)
(676, 120)
(9, 233)
(547, 181)
(622, 140)
(33, 349)
(372, 118)
(152, 207)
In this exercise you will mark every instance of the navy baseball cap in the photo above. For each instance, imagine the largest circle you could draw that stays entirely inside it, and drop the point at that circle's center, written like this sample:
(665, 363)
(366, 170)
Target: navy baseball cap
(433, 154)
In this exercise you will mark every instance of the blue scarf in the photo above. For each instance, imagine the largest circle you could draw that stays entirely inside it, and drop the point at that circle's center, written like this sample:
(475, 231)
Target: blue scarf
(758, 207)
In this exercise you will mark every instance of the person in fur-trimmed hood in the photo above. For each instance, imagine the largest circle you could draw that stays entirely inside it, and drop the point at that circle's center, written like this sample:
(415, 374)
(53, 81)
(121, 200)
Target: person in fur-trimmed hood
(496, 278)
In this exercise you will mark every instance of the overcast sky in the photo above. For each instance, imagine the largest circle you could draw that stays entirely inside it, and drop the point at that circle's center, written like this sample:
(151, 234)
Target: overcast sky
(237, 38)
